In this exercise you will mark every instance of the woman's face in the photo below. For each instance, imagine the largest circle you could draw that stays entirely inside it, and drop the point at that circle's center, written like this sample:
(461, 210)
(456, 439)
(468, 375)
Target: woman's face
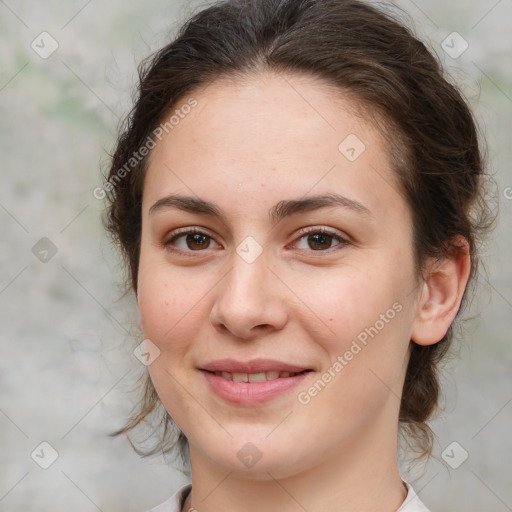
(257, 278)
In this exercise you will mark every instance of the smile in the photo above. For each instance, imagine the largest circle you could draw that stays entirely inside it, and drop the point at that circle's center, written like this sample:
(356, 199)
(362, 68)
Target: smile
(255, 377)
(251, 389)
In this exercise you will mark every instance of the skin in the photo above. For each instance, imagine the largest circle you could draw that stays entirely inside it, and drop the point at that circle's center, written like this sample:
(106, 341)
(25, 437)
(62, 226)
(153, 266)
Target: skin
(245, 147)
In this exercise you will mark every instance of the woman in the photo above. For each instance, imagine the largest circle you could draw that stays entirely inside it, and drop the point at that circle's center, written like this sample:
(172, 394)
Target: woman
(298, 195)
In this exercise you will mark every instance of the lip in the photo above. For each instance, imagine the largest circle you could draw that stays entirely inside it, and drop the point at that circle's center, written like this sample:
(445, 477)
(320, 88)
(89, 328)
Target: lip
(252, 366)
(251, 393)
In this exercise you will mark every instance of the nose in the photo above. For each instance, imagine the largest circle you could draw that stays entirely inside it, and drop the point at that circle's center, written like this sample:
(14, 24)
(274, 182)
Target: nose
(250, 300)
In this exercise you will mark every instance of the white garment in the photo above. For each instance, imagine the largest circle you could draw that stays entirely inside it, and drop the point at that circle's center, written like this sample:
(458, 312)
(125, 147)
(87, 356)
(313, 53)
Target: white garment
(412, 503)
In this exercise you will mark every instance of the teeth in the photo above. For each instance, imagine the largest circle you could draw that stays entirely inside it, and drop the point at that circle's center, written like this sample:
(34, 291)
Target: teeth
(255, 377)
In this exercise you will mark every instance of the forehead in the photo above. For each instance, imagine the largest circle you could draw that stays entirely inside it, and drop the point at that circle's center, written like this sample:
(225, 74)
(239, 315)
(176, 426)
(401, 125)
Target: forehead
(271, 108)
(282, 133)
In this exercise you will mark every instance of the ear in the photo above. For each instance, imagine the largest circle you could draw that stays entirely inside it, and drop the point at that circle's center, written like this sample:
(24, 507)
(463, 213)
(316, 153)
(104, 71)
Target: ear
(441, 294)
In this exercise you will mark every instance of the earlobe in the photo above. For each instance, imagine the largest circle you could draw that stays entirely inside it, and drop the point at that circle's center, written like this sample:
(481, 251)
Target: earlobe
(441, 295)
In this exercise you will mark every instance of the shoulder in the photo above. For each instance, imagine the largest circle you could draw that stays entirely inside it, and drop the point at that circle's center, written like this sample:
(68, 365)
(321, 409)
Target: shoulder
(412, 502)
(175, 502)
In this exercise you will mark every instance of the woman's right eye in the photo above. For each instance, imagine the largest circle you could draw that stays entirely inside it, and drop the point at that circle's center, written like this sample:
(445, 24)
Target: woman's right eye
(189, 241)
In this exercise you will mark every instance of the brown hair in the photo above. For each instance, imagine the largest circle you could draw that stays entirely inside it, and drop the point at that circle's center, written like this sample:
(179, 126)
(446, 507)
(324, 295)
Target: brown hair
(359, 50)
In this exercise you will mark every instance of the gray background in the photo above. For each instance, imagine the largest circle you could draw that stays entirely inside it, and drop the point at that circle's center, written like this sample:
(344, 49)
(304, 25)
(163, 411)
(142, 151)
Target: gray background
(67, 370)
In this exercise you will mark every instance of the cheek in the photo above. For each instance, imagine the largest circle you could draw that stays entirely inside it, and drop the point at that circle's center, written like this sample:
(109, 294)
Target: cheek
(367, 332)
(157, 304)
(168, 319)
(369, 348)
(347, 302)
(166, 307)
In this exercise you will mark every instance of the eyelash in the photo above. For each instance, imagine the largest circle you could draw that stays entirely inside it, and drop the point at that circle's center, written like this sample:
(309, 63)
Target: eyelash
(302, 233)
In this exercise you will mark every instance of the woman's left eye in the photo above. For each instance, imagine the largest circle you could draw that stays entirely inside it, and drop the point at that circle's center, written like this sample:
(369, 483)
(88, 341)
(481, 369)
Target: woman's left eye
(320, 239)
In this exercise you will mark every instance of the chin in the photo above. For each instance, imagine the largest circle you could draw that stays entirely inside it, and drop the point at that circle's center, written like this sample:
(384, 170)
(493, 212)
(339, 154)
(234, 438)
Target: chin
(254, 459)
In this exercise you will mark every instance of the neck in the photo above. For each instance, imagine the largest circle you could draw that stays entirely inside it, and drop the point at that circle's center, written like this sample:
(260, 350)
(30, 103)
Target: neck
(363, 476)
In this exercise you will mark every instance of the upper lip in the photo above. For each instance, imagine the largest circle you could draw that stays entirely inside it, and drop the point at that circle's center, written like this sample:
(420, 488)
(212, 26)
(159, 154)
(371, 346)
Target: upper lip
(252, 366)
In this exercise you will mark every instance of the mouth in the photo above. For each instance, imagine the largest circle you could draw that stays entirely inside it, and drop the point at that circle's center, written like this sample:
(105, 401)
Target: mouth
(253, 389)
(255, 377)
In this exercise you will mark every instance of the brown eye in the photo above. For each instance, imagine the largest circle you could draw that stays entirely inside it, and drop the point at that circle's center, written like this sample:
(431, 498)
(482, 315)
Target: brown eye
(197, 241)
(320, 240)
(189, 241)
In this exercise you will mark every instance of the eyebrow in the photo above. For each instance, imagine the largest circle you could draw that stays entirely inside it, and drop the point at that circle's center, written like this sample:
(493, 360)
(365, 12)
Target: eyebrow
(279, 211)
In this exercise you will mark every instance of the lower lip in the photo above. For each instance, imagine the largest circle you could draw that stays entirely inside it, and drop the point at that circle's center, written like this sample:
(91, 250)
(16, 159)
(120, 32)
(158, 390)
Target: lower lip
(250, 393)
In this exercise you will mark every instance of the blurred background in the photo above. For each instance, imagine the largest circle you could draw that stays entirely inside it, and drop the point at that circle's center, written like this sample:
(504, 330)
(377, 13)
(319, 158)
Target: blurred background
(67, 368)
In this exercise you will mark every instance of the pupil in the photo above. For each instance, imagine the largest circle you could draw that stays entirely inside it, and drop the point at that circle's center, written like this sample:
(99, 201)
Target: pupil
(320, 239)
(196, 239)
